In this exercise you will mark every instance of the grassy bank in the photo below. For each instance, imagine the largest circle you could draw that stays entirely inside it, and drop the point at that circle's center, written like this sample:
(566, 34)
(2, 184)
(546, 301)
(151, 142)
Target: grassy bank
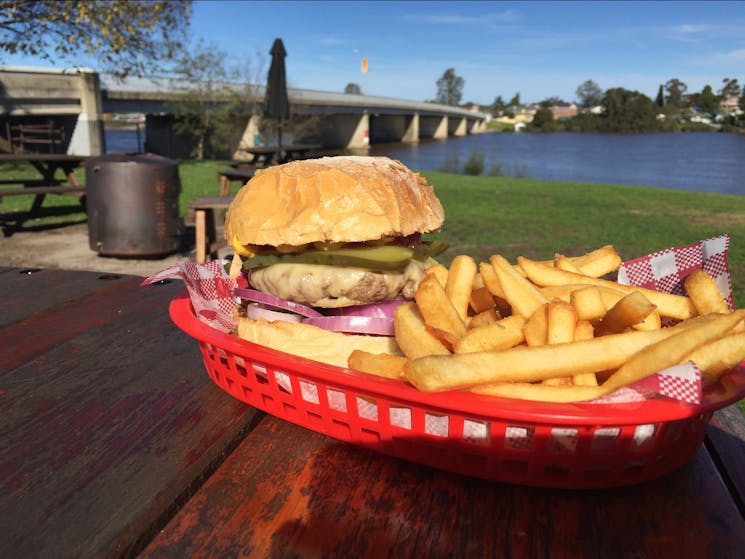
(513, 216)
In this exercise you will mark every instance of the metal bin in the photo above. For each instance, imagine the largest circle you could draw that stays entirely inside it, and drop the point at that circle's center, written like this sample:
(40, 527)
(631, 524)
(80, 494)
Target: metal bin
(132, 203)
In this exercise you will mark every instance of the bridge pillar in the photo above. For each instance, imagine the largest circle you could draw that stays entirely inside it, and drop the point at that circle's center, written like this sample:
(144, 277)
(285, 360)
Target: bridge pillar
(88, 136)
(441, 131)
(411, 133)
(361, 135)
(248, 140)
(347, 130)
(457, 127)
(477, 126)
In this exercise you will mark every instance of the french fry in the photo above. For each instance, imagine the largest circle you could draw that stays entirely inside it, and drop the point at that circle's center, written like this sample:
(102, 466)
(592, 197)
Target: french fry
(440, 272)
(653, 321)
(564, 292)
(539, 392)
(412, 335)
(598, 262)
(704, 293)
(584, 331)
(588, 302)
(716, 358)
(523, 296)
(670, 351)
(562, 321)
(502, 334)
(536, 327)
(630, 310)
(440, 316)
(481, 299)
(460, 283)
(491, 280)
(483, 318)
(668, 304)
(379, 364)
(564, 263)
(528, 364)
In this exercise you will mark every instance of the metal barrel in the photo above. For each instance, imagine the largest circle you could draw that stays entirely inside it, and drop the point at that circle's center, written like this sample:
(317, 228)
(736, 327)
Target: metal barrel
(132, 204)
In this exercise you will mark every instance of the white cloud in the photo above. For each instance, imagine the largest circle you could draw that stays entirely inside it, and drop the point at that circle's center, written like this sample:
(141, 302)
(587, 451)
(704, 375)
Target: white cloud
(736, 56)
(493, 18)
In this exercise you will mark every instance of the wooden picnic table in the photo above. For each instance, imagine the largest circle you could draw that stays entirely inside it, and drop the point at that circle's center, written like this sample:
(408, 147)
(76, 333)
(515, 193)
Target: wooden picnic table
(271, 155)
(116, 444)
(47, 165)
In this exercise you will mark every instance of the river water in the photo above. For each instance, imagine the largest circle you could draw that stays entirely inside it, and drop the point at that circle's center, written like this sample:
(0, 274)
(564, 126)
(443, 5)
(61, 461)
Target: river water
(709, 162)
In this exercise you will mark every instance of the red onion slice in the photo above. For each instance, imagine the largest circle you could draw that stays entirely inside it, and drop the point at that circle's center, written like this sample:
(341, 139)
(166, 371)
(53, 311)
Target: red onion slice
(276, 302)
(255, 312)
(354, 324)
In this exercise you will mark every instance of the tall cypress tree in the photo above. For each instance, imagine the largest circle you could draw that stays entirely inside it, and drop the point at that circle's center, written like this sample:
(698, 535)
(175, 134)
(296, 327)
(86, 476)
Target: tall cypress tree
(660, 101)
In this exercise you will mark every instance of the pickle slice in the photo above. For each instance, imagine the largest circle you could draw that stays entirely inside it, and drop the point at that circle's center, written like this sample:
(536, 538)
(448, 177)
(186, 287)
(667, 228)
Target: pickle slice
(387, 257)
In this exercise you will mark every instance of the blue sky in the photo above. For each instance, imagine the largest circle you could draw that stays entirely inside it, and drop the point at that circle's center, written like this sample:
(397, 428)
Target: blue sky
(539, 49)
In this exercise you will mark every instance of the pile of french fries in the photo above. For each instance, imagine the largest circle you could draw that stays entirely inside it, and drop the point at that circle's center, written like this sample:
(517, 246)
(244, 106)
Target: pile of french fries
(555, 330)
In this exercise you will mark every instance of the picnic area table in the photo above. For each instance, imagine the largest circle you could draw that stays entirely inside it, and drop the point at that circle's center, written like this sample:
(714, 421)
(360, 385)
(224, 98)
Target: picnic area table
(116, 443)
(47, 165)
(270, 155)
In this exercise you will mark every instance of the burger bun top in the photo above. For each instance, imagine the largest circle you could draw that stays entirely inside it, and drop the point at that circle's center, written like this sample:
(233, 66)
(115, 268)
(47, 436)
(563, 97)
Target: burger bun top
(332, 199)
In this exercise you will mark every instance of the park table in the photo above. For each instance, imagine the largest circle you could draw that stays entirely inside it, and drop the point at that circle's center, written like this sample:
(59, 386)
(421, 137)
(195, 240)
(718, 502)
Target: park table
(115, 443)
(47, 165)
(270, 155)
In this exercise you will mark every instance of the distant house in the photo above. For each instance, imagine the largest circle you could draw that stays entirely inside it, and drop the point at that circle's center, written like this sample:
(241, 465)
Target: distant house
(730, 105)
(564, 110)
(473, 107)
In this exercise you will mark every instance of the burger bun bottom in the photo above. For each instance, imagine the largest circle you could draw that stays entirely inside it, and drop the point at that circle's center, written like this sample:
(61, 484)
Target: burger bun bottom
(312, 342)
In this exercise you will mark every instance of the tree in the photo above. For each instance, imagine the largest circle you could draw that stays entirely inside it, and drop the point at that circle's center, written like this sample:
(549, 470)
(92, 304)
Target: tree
(211, 107)
(589, 94)
(660, 100)
(628, 111)
(353, 88)
(450, 88)
(552, 101)
(707, 100)
(676, 92)
(542, 118)
(515, 101)
(730, 88)
(498, 105)
(127, 36)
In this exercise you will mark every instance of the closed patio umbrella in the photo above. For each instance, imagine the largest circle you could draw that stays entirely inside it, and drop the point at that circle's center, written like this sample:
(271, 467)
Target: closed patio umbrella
(276, 104)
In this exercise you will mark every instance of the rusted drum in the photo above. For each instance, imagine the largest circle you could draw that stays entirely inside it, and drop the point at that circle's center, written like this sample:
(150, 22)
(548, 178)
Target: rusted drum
(132, 203)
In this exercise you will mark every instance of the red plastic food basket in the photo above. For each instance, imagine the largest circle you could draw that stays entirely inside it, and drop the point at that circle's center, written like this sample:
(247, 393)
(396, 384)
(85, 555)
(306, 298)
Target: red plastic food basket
(529, 443)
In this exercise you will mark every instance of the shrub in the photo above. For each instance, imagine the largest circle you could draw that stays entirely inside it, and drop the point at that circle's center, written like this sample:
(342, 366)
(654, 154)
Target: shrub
(475, 164)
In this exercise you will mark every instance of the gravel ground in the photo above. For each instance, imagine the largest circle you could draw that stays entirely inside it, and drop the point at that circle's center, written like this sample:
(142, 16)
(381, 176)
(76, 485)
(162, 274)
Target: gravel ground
(67, 247)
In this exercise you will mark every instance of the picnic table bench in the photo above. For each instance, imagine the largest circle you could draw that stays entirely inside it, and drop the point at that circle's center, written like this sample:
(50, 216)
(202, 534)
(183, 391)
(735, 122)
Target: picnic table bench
(204, 210)
(228, 176)
(47, 165)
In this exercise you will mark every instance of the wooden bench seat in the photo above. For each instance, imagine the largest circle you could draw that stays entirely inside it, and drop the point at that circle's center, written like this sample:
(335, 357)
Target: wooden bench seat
(205, 225)
(39, 190)
(227, 176)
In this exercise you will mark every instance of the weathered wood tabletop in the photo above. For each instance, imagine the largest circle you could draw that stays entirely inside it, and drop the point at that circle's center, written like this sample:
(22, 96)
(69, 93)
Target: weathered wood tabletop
(116, 443)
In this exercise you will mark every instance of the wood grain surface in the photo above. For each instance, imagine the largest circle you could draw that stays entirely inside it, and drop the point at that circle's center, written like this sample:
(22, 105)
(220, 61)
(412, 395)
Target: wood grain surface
(108, 420)
(289, 492)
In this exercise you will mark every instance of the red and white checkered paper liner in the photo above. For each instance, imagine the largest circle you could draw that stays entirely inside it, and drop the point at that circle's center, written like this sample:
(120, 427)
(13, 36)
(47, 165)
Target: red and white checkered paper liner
(211, 292)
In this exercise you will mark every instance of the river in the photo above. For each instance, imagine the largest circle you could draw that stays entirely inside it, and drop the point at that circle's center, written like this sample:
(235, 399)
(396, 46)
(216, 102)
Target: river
(708, 162)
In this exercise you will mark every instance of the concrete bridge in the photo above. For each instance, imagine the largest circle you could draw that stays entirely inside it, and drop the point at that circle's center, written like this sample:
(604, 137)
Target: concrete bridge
(77, 99)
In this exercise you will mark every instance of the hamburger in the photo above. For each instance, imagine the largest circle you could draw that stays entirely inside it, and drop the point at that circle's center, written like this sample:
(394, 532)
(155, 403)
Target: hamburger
(329, 247)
